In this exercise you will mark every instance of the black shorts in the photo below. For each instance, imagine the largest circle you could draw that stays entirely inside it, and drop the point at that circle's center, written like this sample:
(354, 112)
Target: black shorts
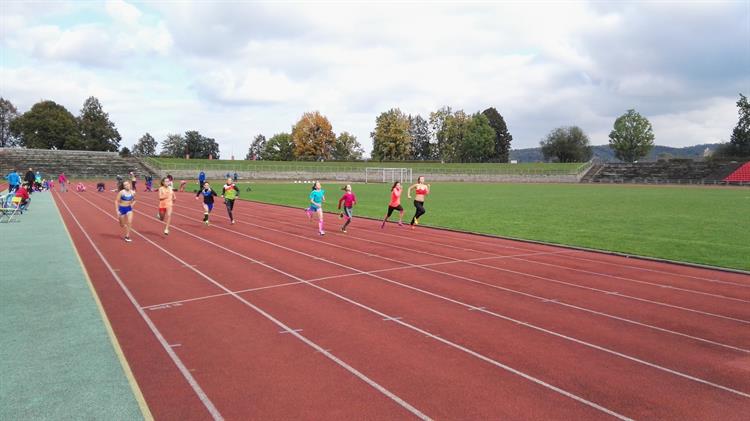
(392, 208)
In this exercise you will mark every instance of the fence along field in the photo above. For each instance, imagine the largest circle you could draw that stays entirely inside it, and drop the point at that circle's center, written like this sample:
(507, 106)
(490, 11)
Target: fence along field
(168, 164)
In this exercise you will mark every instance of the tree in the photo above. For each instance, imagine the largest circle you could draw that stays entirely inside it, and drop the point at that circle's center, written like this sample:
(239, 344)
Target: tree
(280, 147)
(146, 146)
(98, 133)
(502, 136)
(438, 124)
(419, 130)
(46, 125)
(199, 146)
(478, 143)
(740, 140)
(567, 144)
(124, 152)
(8, 113)
(346, 148)
(173, 146)
(632, 137)
(391, 139)
(257, 148)
(452, 135)
(313, 137)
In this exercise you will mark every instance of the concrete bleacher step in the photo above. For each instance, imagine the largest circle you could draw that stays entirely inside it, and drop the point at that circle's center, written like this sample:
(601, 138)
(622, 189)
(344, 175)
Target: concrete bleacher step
(75, 164)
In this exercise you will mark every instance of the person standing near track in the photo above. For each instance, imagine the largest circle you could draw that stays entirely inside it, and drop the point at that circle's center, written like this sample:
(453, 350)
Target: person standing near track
(201, 179)
(133, 180)
(230, 192)
(124, 208)
(422, 190)
(166, 200)
(63, 180)
(349, 199)
(14, 181)
(29, 178)
(208, 200)
(395, 204)
(317, 197)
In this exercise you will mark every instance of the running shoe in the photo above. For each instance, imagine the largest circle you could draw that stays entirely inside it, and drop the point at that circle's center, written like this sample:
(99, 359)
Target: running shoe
(400, 224)
(128, 239)
(416, 221)
(382, 225)
(322, 233)
(166, 232)
(232, 221)
(206, 222)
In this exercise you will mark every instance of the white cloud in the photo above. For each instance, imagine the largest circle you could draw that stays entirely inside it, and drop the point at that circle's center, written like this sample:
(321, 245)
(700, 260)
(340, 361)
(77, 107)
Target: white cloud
(123, 11)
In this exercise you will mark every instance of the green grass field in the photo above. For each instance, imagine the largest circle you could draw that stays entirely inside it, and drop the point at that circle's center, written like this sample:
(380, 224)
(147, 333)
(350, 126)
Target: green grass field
(427, 167)
(692, 224)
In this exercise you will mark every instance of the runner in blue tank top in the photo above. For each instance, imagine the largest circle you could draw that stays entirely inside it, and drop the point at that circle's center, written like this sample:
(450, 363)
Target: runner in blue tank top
(317, 197)
(208, 200)
(124, 208)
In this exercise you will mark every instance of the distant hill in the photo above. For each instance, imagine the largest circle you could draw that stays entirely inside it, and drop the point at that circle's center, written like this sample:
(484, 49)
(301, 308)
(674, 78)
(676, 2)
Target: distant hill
(604, 153)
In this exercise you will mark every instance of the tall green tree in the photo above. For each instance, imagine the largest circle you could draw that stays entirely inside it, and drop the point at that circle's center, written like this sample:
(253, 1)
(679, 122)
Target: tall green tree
(173, 146)
(391, 138)
(346, 148)
(452, 135)
(419, 129)
(438, 124)
(632, 137)
(146, 146)
(313, 137)
(8, 113)
(199, 146)
(502, 136)
(46, 125)
(98, 133)
(567, 144)
(279, 147)
(740, 140)
(257, 148)
(478, 143)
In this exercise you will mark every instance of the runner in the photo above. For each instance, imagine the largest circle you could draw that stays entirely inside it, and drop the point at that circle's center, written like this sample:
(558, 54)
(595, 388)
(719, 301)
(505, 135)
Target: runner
(422, 190)
(230, 192)
(63, 181)
(395, 204)
(124, 208)
(208, 200)
(349, 200)
(317, 197)
(166, 199)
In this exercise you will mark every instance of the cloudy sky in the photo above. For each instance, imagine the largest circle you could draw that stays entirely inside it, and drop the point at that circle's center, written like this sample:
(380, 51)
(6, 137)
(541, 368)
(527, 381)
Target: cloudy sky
(234, 69)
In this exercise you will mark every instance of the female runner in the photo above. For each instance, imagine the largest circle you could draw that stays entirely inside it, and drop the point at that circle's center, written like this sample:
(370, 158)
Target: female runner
(422, 190)
(230, 192)
(124, 208)
(395, 204)
(317, 197)
(208, 200)
(348, 200)
(166, 199)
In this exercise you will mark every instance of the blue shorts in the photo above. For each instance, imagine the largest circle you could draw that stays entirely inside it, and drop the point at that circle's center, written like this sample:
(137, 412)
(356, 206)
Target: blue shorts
(210, 206)
(313, 208)
(124, 210)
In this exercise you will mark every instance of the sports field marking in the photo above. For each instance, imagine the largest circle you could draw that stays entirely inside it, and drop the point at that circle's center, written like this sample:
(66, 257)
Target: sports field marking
(165, 345)
(606, 292)
(716, 281)
(613, 293)
(494, 314)
(691, 291)
(383, 315)
(565, 251)
(287, 329)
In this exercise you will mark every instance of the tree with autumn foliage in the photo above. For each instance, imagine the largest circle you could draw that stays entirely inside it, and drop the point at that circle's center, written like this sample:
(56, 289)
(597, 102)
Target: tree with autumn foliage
(313, 137)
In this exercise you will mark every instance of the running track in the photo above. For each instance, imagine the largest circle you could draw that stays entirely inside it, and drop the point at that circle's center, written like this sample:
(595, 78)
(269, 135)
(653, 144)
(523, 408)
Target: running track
(266, 320)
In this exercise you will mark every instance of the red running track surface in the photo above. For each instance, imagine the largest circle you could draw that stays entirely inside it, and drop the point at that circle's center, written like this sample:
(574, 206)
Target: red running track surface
(265, 319)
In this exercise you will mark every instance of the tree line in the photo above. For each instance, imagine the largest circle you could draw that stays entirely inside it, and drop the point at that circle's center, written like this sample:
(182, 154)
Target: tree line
(445, 135)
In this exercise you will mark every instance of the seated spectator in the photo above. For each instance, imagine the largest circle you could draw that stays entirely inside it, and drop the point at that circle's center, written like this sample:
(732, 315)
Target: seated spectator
(80, 187)
(45, 184)
(183, 183)
(100, 187)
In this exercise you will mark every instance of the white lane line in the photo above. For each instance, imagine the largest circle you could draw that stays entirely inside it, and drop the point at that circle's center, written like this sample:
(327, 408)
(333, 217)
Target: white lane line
(538, 277)
(663, 272)
(279, 323)
(529, 325)
(215, 414)
(606, 292)
(383, 315)
(223, 294)
(571, 251)
(665, 286)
